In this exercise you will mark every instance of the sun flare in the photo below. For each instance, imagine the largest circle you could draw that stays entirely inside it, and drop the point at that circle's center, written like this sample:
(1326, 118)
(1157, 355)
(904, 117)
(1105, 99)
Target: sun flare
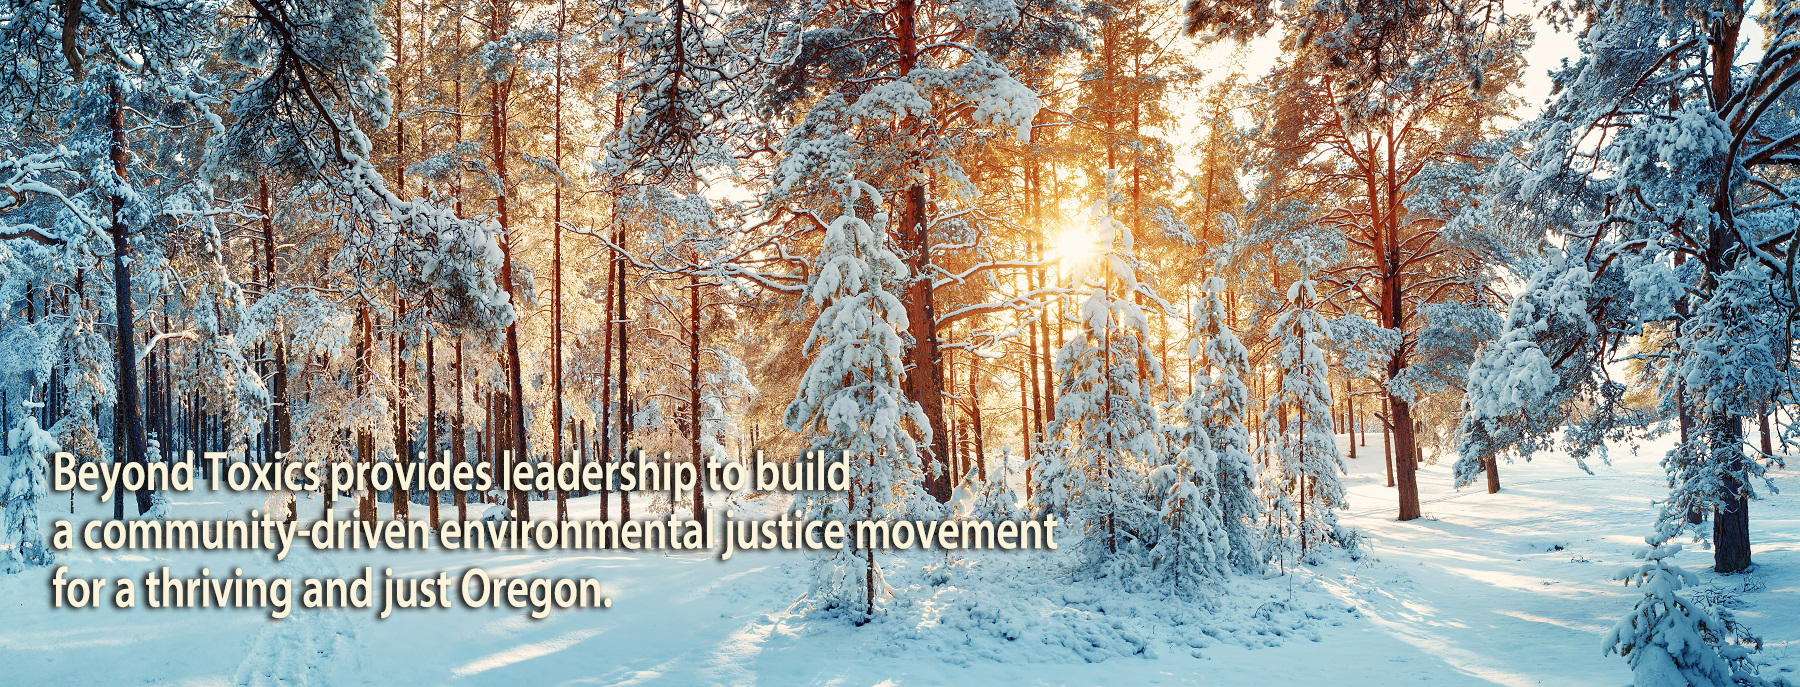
(1074, 246)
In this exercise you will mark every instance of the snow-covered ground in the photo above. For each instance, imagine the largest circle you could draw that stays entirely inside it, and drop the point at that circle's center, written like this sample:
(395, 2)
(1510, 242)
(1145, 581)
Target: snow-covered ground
(1507, 589)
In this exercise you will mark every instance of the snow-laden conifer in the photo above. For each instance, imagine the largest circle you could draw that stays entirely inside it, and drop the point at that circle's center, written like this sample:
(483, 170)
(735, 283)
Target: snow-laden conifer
(1300, 479)
(1106, 436)
(23, 483)
(851, 403)
(1218, 406)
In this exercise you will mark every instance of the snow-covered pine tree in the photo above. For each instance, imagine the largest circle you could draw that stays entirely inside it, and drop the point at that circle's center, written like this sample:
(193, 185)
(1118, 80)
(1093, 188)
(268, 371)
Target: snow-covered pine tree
(1300, 481)
(1191, 545)
(1669, 639)
(23, 483)
(851, 402)
(1218, 406)
(1365, 100)
(998, 500)
(1106, 435)
(902, 116)
(731, 383)
(1678, 242)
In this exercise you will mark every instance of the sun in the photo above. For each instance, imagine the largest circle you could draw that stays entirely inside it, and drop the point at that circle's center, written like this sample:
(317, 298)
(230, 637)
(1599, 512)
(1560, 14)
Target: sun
(1074, 246)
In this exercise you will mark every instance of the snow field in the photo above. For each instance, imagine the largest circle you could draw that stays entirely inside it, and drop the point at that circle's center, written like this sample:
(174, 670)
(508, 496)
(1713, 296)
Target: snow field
(1509, 589)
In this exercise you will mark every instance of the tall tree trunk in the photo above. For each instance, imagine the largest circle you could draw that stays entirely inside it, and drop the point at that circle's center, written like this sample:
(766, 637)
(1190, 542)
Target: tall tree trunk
(365, 442)
(1026, 387)
(924, 383)
(1406, 466)
(975, 417)
(431, 453)
(514, 373)
(459, 435)
(694, 421)
(556, 265)
(622, 311)
(1387, 440)
(279, 419)
(1731, 522)
(606, 383)
(402, 423)
(125, 341)
(1768, 439)
(402, 429)
(1492, 465)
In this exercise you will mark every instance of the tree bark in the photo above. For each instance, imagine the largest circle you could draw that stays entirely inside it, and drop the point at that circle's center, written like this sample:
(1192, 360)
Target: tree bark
(459, 434)
(402, 423)
(282, 430)
(365, 442)
(1731, 522)
(1406, 468)
(975, 418)
(1387, 441)
(1768, 439)
(924, 383)
(125, 341)
(521, 499)
(431, 454)
(623, 312)
(694, 421)
(556, 265)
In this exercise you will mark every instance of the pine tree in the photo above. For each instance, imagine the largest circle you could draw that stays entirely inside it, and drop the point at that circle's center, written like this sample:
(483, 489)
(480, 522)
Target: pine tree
(23, 484)
(1679, 243)
(1218, 406)
(1364, 104)
(1300, 480)
(850, 398)
(1106, 436)
(1667, 638)
(1192, 547)
(904, 116)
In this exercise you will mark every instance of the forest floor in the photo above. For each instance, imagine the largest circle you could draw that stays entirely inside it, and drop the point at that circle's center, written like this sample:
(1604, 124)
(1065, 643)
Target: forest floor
(1507, 589)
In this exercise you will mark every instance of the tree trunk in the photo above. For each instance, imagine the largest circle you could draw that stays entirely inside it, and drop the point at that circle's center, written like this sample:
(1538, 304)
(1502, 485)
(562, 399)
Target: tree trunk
(431, 454)
(606, 384)
(1406, 472)
(1731, 523)
(924, 383)
(125, 341)
(365, 442)
(975, 418)
(459, 434)
(1387, 442)
(514, 374)
(1492, 465)
(622, 311)
(1768, 439)
(556, 295)
(694, 421)
(402, 423)
(282, 428)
